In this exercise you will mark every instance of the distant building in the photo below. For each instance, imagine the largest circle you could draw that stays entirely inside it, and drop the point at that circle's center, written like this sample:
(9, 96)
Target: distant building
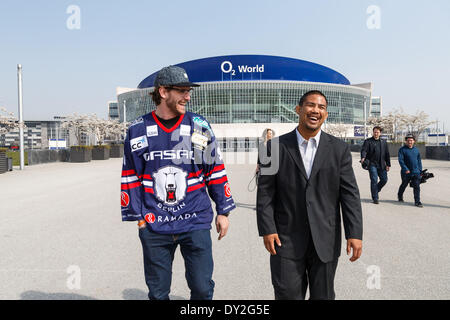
(376, 107)
(38, 133)
(113, 111)
(260, 91)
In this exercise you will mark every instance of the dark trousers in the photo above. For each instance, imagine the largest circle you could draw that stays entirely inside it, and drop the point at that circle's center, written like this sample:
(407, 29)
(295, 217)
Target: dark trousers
(159, 250)
(375, 185)
(406, 179)
(291, 277)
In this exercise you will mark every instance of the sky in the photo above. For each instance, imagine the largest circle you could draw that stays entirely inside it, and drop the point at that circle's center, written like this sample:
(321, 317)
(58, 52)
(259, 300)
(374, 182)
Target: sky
(74, 60)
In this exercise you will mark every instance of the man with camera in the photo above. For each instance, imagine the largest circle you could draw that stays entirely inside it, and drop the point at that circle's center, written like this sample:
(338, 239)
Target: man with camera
(411, 168)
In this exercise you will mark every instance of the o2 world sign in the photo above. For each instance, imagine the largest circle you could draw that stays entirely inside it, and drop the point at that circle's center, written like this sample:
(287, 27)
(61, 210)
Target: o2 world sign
(227, 67)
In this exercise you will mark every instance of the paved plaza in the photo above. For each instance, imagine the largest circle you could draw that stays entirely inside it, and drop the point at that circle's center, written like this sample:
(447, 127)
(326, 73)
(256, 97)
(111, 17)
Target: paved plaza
(61, 237)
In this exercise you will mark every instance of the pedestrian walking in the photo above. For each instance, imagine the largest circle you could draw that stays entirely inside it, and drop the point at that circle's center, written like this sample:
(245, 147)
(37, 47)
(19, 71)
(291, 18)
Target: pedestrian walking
(376, 151)
(411, 167)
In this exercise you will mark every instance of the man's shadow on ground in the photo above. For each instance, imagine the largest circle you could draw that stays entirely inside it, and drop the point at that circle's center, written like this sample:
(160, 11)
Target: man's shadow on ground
(127, 294)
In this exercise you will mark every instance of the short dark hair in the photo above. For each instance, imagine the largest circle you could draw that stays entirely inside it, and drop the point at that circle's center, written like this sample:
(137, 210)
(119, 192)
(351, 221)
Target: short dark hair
(305, 95)
(378, 128)
(156, 97)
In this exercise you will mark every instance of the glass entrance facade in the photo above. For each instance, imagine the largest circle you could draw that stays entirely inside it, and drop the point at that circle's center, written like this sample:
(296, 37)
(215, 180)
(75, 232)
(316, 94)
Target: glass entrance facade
(257, 102)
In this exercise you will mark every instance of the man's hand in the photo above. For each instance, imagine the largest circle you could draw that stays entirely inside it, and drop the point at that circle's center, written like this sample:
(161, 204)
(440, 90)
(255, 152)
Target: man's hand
(387, 168)
(356, 245)
(362, 160)
(222, 225)
(269, 239)
(142, 224)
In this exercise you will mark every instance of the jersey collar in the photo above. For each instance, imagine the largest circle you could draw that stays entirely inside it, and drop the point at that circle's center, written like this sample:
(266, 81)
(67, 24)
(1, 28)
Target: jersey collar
(163, 127)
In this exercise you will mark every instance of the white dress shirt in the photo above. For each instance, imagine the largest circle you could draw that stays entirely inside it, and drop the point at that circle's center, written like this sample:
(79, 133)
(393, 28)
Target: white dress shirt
(308, 150)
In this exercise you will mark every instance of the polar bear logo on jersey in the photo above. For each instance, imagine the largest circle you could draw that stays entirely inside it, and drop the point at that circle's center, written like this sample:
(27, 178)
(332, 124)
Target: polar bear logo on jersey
(170, 184)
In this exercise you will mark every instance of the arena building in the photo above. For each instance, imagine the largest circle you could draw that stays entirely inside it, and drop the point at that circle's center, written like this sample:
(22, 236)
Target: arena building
(241, 95)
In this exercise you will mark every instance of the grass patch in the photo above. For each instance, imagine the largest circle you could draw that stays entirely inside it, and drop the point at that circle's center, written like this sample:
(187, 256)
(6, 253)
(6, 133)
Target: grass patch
(15, 155)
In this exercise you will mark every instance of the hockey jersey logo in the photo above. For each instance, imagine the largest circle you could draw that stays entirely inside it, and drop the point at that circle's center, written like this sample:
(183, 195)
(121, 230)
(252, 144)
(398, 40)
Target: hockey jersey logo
(138, 143)
(170, 185)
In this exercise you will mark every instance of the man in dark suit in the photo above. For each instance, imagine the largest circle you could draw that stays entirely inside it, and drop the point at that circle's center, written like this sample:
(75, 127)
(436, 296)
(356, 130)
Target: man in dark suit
(376, 151)
(301, 192)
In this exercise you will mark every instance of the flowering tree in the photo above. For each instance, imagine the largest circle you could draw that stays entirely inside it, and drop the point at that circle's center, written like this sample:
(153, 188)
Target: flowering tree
(418, 123)
(117, 129)
(7, 121)
(91, 124)
(337, 129)
(106, 128)
(80, 124)
(397, 122)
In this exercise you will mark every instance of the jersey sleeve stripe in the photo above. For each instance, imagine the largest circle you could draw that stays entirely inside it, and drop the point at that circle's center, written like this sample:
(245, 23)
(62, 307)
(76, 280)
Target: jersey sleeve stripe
(193, 188)
(194, 181)
(149, 190)
(218, 181)
(195, 174)
(216, 168)
(130, 185)
(127, 173)
(218, 175)
(129, 179)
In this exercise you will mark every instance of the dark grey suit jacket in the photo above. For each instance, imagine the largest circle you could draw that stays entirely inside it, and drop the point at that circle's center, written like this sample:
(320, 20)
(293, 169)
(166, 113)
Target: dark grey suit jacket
(368, 152)
(290, 204)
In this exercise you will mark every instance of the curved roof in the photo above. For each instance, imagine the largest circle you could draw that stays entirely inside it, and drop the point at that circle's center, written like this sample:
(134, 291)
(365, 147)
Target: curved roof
(254, 67)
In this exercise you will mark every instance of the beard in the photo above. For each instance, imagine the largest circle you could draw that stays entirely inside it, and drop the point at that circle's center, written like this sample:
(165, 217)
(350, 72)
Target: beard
(173, 106)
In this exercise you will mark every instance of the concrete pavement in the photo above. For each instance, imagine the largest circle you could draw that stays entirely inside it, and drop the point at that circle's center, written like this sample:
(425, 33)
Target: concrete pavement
(61, 237)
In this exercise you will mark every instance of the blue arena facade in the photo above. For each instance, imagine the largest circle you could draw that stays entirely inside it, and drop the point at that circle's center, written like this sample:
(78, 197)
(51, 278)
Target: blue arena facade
(260, 91)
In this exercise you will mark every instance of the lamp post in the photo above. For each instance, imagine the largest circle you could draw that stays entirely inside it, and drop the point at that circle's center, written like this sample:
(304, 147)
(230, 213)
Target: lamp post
(365, 118)
(124, 118)
(21, 144)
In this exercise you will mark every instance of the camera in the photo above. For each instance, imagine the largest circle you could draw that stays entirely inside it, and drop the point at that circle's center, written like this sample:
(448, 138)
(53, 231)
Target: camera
(424, 176)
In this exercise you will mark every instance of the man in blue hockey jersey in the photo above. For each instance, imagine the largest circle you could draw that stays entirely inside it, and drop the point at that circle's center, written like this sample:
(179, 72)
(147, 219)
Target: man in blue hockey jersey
(171, 168)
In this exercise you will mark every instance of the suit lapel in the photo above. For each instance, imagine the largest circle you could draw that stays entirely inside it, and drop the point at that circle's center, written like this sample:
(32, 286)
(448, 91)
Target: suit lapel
(293, 149)
(321, 153)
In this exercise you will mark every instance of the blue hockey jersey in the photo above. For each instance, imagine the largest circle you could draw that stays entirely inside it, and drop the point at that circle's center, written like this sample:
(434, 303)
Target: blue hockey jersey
(168, 173)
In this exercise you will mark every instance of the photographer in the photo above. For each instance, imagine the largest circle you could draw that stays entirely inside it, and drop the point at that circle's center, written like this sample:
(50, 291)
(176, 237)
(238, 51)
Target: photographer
(411, 167)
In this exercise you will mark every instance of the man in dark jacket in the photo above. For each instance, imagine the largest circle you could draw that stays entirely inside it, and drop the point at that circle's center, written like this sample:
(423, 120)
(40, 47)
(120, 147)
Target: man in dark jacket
(376, 151)
(305, 193)
(411, 164)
